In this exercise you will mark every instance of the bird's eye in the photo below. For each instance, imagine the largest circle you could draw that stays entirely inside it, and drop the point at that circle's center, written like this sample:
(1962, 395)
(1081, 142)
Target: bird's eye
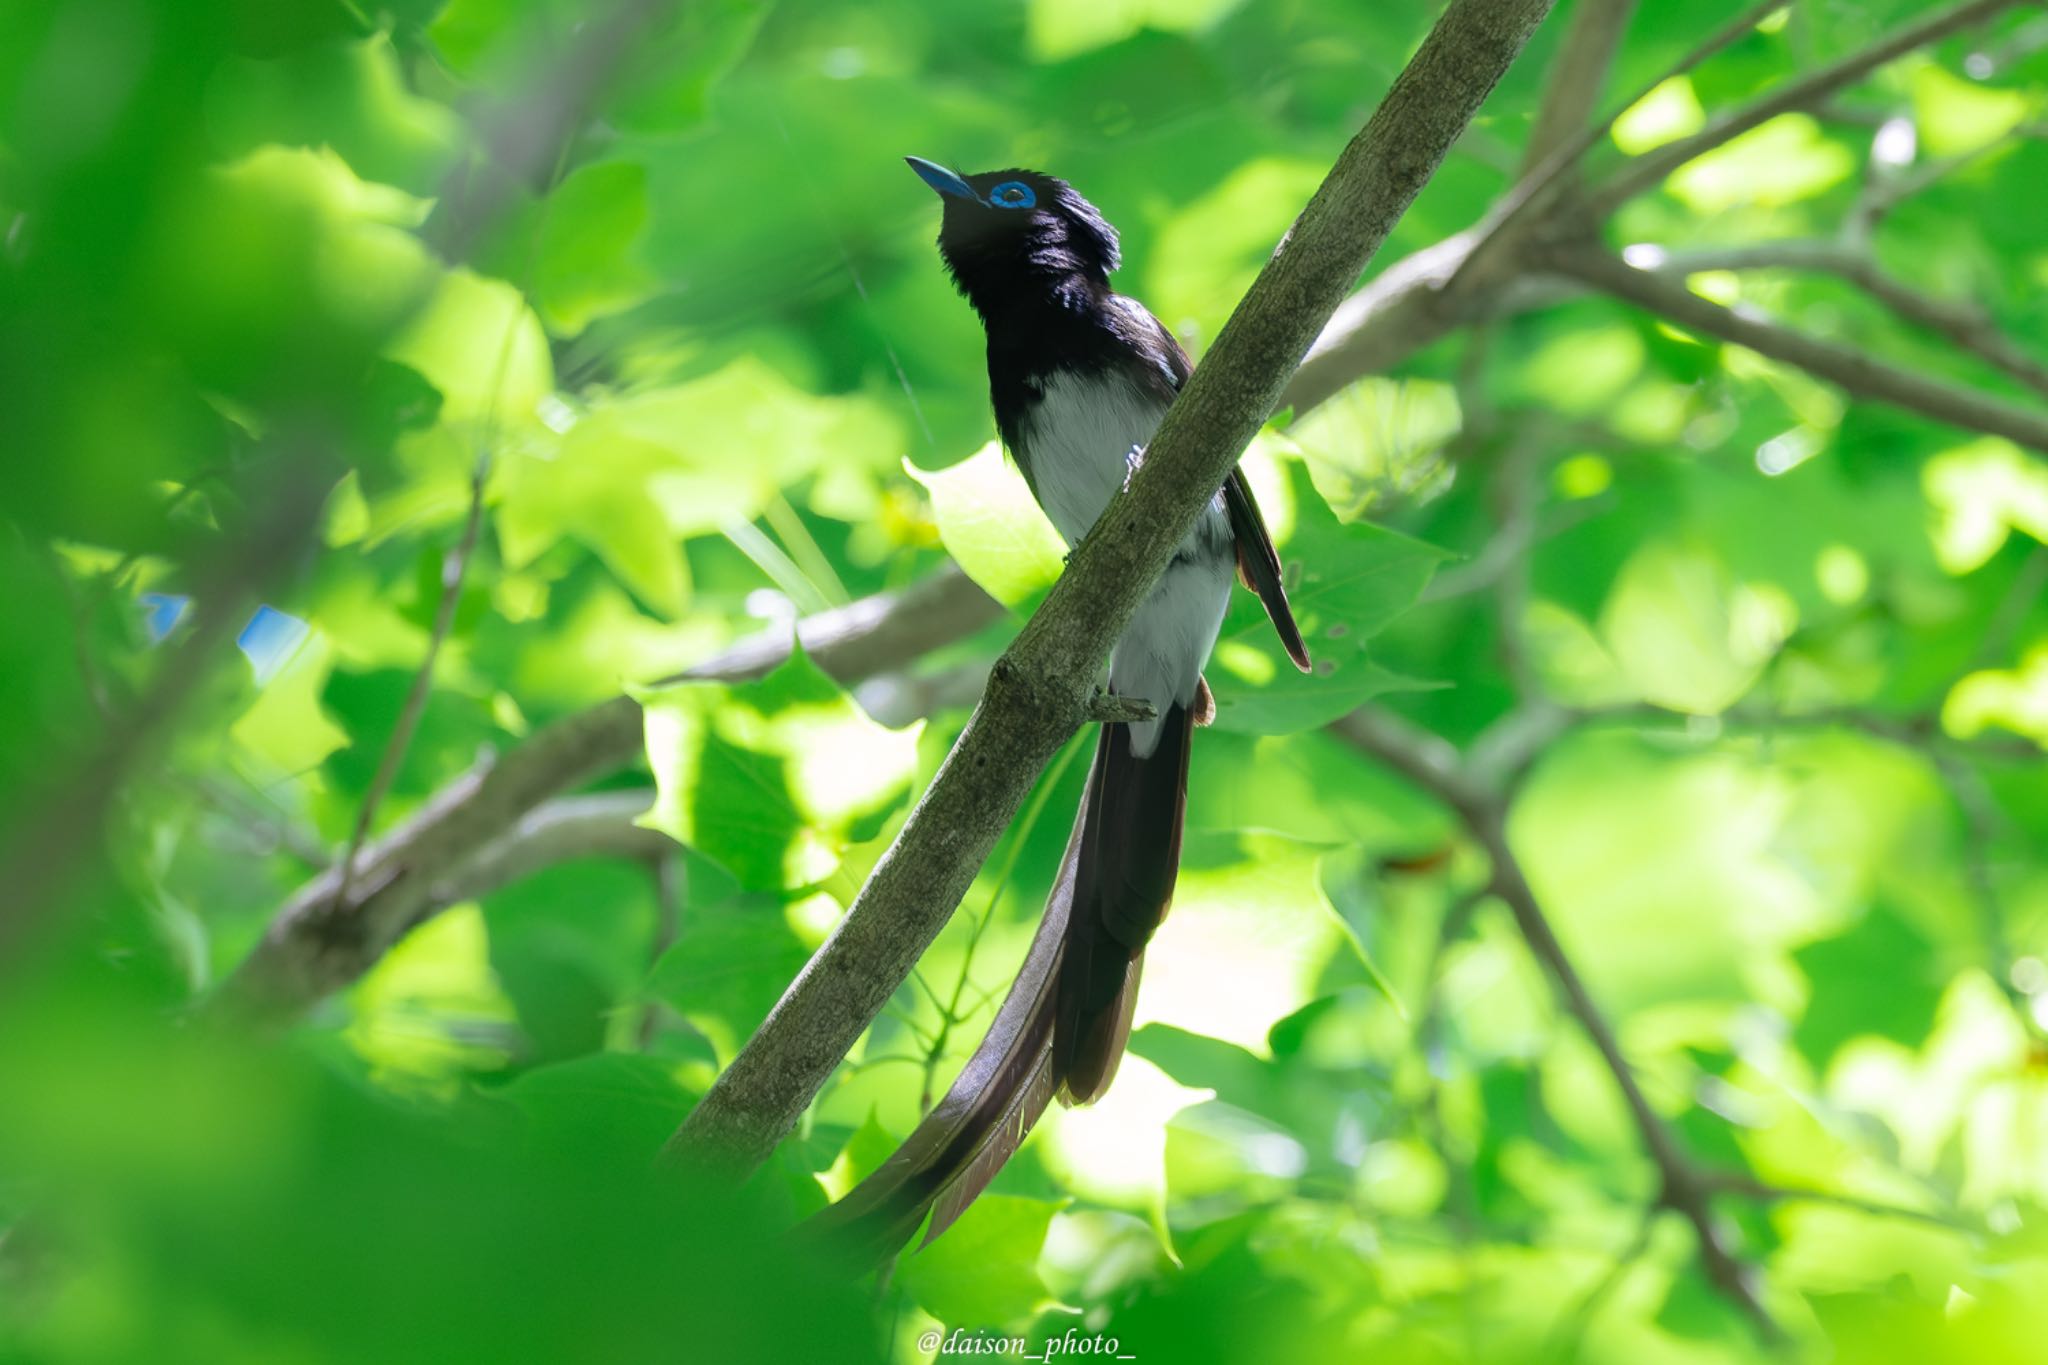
(1012, 194)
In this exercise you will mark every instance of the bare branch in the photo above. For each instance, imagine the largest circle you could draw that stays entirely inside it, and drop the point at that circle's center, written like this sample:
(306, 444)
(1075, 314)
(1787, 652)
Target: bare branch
(1039, 690)
(1965, 324)
(1404, 308)
(1422, 297)
(1432, 764)
(595, 825)
(1652, 166)
(317, 944)
(1577, 74)
(1857, 371)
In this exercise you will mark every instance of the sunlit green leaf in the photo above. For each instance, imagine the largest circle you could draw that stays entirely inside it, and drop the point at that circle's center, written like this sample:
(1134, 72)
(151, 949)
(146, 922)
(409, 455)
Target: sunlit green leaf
(1685, 635)
(479, 344)
(1783, 161)
(1954, 115)
(992, 526)
(988, 1275)
(585, 261)
(774, 778)
(1668, 112)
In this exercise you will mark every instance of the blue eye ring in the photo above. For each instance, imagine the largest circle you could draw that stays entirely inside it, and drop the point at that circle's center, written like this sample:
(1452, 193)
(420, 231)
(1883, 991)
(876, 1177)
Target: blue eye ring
(1012, 194)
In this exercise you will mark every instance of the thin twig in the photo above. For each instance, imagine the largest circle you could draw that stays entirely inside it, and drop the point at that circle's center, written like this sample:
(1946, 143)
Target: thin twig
(1745, 1186)
(1882, 194)
(1857, 371)
(950, 1012)
(1540, 190)
(316, 944)
(1576, 76)
(1965, 324)
(1980, 835)
(1651, 167)
(1418, 299)
(454, 567)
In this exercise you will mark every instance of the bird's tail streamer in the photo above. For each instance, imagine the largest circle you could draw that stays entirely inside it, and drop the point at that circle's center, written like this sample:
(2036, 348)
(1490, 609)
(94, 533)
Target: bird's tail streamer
(1065, 1022)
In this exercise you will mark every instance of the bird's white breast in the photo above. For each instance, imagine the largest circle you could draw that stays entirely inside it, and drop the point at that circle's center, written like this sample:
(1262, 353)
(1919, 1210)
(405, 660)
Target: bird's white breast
(1080, 438)
(1081, 441)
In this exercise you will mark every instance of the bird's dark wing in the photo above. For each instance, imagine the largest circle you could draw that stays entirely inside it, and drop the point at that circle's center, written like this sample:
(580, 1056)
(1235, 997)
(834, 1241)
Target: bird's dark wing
(1258, 564)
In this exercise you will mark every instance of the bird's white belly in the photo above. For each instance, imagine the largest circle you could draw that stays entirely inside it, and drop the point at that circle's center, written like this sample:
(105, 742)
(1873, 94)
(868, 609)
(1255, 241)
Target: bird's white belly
(1082, 439)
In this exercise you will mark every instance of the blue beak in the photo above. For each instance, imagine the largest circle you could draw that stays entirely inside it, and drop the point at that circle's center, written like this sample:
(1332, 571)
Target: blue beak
(941, 179)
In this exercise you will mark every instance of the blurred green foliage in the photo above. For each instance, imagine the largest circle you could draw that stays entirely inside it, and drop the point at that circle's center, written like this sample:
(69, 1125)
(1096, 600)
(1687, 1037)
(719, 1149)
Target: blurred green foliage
(1778, 661)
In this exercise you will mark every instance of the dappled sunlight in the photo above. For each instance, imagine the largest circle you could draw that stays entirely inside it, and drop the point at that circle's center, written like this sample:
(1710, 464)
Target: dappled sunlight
(508, 531)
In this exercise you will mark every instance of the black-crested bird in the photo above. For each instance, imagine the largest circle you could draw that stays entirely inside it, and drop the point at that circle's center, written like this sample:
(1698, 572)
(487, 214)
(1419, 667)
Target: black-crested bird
(1079, 377)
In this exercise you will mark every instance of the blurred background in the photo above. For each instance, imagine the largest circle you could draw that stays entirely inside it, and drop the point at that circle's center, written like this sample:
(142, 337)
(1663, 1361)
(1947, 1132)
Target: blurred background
(1630, 945)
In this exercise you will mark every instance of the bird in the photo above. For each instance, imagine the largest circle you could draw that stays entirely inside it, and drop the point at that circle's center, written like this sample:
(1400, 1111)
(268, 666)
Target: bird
(1079, 378)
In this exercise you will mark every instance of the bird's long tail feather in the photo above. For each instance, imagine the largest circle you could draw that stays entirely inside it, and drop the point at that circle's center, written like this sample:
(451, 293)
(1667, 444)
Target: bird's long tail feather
(1063, 1027)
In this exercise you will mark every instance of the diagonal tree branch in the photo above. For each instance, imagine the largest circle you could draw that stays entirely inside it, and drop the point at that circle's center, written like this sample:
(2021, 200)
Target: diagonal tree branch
(1650, 168)
(1424, 296)
(317, 944)
(593, 825)
(1576, 77)
(1039, 690)
(1966, 324)
(50, 833)
(1434, 765)
(1856, 371)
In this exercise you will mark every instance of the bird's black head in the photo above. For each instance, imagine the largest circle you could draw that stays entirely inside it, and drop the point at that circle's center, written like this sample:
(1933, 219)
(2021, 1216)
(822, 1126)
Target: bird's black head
(1019, 236)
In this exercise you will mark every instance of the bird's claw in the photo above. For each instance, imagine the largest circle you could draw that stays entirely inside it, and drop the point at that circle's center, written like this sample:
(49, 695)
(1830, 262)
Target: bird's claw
(1110, 709)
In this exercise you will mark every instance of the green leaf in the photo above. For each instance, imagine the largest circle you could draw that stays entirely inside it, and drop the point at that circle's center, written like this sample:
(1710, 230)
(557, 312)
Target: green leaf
(1669, 112)
(992, 526)
(599, 497)
(286, 727)
(1953, 115)
(1687, 635)
(1982, 491)
(1378, 439)
(1249, 942)
(728, 966)
(773, 778)
(668, 70)
(1780, 162)
(478, 343)
(984, 1271)
(352, 97)
(1062, 28)
(586, 260)
(1345, 584)
(615, 1103)
(1207, 254)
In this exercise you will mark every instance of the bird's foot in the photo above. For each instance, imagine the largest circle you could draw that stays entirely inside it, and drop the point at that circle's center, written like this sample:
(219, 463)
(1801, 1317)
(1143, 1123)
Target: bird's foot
(1110, 709)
